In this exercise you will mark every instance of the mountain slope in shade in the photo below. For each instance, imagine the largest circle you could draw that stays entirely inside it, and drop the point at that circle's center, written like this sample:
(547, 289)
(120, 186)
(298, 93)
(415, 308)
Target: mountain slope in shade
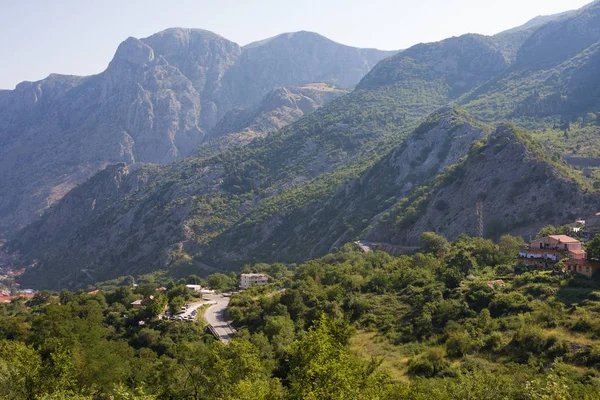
(187, 205)
(155, 103)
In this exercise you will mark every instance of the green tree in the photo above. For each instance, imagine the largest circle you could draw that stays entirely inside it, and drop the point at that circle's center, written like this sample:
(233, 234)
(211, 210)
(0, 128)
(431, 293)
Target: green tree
(194, 279)
(40, 298)
(146, 289)
(323, 368)
(509, 247)
(176, 303)
(154, 307)
(128, 281)
(219, 282)
(280, 331)
(434, 243)
(592, 248)
(549, 230)
(429, 363)
(23, 374)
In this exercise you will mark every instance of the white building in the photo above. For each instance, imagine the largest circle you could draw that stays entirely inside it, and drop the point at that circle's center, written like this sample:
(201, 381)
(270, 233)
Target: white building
(248, 280)
(195, 288)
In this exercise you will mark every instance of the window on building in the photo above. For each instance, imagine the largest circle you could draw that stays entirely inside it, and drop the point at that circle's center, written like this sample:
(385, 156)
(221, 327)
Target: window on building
(587, 269)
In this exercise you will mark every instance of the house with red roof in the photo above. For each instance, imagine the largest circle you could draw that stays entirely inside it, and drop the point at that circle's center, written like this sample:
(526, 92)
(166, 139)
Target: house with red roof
(545, 252)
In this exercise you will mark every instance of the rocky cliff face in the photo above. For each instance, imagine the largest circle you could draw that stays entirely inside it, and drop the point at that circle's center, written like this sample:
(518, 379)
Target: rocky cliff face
(520, 189)
(153, 104)
(278, 109)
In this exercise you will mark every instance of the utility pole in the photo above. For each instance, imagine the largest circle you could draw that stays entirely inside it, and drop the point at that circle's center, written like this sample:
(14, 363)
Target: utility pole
(479, 212)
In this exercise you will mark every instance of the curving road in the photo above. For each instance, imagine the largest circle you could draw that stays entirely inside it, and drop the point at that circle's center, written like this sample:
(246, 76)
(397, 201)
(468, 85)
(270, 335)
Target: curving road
(215, 317)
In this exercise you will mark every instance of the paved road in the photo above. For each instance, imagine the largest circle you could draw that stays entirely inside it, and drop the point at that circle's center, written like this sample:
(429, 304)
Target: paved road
(215, 317)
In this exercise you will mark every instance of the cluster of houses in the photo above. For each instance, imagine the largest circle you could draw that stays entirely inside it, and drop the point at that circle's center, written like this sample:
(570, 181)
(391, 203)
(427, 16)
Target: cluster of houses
(547, 251)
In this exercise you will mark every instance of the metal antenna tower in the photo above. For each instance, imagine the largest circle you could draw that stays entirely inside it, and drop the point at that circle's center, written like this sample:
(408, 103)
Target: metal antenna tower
(479, 212)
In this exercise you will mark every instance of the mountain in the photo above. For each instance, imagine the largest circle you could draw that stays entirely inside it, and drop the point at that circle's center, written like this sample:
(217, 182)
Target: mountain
(521, 189)
(321, 226)
(451, 67)
(133, 219)
(362, 166)
(278, 109)
(291, 59)
(553, 73)
(512, 39)
(544, 68)
(155, 103)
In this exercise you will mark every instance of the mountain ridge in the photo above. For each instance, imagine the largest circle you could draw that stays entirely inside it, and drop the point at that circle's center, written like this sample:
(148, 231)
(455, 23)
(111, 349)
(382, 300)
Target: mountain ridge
(155, 102)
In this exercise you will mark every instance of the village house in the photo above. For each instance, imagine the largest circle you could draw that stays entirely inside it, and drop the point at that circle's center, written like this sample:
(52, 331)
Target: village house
(141, 303)
(248, 280)
(546, 252)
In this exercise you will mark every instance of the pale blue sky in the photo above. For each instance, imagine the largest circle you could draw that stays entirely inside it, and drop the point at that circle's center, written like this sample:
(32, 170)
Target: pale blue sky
(38, 37)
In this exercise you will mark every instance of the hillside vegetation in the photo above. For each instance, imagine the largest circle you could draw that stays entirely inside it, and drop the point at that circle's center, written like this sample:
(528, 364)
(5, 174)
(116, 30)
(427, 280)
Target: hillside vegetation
(456, 321)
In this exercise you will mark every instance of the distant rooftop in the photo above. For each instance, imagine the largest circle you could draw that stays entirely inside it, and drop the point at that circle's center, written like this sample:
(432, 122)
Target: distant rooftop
(564, 238)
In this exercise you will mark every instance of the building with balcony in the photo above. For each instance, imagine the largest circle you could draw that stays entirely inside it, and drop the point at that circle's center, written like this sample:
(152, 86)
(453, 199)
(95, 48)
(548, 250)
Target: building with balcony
(546, 252)
(248, 280)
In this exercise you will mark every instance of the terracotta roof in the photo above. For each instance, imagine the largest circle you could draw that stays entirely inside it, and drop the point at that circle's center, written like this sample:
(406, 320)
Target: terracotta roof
(577, 252)
(564, 238)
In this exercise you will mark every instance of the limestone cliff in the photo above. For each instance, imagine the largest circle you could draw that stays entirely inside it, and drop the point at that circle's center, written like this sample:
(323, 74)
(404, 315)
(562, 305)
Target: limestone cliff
(154, 103)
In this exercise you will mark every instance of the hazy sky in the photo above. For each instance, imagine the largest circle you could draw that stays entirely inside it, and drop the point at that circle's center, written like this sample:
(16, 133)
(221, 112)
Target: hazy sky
(79, 37)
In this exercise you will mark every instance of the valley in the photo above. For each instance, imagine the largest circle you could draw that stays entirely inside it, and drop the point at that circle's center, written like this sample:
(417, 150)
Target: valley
(296, 218)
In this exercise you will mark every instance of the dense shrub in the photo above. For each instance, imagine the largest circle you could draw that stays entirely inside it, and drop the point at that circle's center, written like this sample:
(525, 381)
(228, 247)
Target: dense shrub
(428, 364)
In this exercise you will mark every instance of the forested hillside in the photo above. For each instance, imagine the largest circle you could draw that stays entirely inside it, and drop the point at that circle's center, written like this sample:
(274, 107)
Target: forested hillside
(455, 321)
